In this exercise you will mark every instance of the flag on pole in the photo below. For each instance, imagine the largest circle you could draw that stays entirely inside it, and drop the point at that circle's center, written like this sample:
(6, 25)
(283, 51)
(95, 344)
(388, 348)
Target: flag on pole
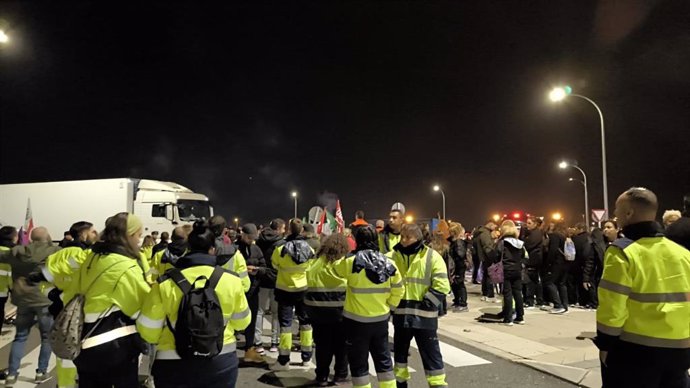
(25, 230)
(330, 225)
(322, 221)
(339, 217)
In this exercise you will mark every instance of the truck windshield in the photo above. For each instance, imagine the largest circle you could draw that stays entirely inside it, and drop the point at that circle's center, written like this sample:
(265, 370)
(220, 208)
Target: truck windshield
(190, 210)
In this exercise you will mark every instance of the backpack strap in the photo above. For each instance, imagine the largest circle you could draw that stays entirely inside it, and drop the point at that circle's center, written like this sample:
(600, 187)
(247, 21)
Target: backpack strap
(179, 279)
(215, 277)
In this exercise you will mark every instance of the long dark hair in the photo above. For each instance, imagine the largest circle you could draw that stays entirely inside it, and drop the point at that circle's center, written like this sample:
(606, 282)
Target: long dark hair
(115, 234)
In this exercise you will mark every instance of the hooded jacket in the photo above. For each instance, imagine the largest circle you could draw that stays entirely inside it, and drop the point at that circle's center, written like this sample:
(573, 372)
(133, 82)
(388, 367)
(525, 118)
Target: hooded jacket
(268, 240)
(26, 260)
(166, 259)
(291, 262)
(514, 255)
(374, 285)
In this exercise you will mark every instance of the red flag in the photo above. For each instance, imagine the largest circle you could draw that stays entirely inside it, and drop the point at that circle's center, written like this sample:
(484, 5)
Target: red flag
(339, 217)
(322, 221)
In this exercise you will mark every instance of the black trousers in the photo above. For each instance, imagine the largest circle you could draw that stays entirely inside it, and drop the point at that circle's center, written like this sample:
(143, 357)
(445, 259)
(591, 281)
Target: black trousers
(3, 301)
(533, 288)
(365, 338)
(250, 331)
(120, 376)
(457, 285)
(218, 372)
(633, 369)
(476, 265)
(512, 289)
(556, 286)
(487, 285)
(330, 343)
(427, 343)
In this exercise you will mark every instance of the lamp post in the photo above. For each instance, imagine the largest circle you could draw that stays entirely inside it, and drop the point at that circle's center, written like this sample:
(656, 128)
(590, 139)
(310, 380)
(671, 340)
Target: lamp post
(563, 165)
(294, 195)
(443, 196)
(560, 94)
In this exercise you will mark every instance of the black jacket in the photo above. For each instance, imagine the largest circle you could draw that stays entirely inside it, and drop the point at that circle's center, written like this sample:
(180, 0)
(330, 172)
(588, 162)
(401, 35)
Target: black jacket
(458, 255)
(484, 246)
(268, 240)
(534, 243)
(583, 249)
(555, 255)
(679, 232)
(161, 246)
(254, 257)
(512, 252)
(595, 264)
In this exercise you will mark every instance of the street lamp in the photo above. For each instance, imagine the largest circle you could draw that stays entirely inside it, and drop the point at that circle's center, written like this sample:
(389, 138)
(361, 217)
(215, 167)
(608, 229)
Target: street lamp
(3, 37)
(556, 216)
(237, 223)
(560, 94)
(443, 195)
(294, 195)
(563, 165)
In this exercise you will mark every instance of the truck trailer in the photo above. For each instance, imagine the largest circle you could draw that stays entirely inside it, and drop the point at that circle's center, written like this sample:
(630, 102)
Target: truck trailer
(57, 205)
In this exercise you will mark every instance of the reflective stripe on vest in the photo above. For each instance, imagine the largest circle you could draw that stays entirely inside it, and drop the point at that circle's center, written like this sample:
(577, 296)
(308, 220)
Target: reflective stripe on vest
(108, 336)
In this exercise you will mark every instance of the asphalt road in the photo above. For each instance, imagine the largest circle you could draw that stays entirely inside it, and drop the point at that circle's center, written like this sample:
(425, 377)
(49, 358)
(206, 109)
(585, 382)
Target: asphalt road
(465, 367)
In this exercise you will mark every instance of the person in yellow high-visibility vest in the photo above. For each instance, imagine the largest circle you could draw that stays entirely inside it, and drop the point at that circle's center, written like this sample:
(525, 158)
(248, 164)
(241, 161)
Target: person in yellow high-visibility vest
(426, 285)
(374, 287)
(8, 239)
(643, 318)
(291, 260)
(59, 270)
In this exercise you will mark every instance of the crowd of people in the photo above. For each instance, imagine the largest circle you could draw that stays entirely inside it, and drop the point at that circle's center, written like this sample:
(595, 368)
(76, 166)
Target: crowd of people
(182, 298)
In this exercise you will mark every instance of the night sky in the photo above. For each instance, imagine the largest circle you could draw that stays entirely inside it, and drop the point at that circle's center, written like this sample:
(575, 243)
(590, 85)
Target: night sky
(373, 101)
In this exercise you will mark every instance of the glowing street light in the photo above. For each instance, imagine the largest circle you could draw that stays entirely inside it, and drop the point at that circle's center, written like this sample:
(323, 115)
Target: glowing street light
(4, 38)
(563, 165)
(443, 195)
(237, 223)
(559, 94)
(556, 216)
(409, 219)
(294, 195)
(496, 217)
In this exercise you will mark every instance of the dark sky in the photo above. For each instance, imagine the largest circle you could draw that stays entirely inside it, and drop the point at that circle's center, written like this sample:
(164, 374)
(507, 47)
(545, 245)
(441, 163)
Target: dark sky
(374, 101)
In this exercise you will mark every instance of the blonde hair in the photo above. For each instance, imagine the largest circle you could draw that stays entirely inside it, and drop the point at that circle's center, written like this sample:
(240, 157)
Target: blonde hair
(456, 229)
(508, 229)
(670, 214)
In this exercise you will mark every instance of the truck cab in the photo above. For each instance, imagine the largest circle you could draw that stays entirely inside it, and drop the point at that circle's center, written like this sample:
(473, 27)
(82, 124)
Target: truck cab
(162, 206)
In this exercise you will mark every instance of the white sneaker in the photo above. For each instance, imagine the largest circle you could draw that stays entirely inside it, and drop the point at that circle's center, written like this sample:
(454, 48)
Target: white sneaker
(558, 311)
(498, 300)
(484, 299)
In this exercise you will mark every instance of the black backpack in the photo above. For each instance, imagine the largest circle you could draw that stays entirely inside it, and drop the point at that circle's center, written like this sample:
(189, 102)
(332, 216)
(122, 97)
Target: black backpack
(200, 325)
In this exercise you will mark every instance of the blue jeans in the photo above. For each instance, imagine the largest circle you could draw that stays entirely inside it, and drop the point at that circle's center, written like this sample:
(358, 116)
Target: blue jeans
(26, 318)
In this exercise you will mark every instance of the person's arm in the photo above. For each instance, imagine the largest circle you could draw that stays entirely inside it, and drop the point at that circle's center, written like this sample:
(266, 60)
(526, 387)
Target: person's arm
(240, 268)
(588, 253)
(151, 321)
(440, 286)
(130, 292)
(397, 287)
(240, 315)
(614, 288)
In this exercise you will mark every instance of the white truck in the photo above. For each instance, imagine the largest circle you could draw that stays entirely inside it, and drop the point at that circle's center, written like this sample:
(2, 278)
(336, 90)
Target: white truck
(57, 205)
